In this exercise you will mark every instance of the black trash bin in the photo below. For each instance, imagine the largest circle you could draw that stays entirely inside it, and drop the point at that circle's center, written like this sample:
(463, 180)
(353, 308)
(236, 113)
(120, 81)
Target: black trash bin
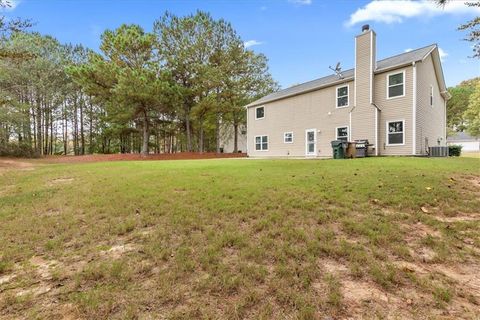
(338, 148)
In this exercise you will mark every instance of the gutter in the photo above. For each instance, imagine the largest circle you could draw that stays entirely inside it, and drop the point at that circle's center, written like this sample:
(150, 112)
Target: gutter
(414, 110)
(446, 95)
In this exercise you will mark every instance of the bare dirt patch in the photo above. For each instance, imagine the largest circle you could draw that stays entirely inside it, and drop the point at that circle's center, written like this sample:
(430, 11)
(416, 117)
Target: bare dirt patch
(117, 251)
(7, 278)
(7, 164)
(460, 218)
(60, 181)
(357, 292)
(422, 230)
(466, 275)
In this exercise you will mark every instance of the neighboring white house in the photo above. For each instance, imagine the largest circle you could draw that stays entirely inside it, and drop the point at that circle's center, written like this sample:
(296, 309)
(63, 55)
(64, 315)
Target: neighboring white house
(398, 104)
(468, 143)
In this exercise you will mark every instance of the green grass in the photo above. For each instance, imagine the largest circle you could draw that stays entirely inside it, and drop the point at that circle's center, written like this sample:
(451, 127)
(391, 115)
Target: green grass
(232, 238)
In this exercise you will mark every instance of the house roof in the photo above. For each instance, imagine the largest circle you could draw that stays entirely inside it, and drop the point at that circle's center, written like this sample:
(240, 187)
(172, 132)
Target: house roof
(382, 65)
(461, 136)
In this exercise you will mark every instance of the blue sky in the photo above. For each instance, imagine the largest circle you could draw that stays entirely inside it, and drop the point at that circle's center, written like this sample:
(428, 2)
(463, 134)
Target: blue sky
(301, 38)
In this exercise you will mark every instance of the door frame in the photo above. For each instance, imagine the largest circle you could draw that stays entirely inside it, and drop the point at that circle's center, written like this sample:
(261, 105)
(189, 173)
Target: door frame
(314, 142)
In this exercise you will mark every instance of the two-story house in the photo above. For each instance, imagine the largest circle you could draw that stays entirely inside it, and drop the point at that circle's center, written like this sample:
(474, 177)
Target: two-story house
(398, 104)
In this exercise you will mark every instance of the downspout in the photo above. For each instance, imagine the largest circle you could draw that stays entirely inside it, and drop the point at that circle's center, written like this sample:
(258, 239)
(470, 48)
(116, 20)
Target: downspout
(247, 134)
(414, 111)
(350, 123)
(377, 109)
(445, 121)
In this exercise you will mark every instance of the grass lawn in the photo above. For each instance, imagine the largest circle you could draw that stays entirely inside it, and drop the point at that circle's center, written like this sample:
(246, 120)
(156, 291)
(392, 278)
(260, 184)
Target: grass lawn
(235, 239)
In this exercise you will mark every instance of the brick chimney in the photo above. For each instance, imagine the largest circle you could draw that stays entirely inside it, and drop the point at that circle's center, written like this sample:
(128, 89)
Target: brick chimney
(363, 115)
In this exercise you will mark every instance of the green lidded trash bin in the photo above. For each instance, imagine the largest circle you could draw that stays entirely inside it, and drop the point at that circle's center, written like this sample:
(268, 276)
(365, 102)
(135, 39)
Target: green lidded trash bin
(338, 149)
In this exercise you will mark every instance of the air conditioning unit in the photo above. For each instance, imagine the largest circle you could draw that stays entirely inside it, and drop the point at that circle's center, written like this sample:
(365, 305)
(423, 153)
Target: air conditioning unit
(438, 151)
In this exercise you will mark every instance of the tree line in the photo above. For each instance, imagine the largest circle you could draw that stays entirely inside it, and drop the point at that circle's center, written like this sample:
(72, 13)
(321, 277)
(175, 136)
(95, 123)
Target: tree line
(176, 88)
(463, 109)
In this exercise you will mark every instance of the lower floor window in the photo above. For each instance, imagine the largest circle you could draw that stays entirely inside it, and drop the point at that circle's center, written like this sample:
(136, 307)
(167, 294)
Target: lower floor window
(395, 132)
(342, 133)
(288, 137)
(261, 143)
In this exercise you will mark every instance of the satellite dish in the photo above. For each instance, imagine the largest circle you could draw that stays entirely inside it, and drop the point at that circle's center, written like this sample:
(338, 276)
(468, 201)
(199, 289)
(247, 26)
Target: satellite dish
(337, 70)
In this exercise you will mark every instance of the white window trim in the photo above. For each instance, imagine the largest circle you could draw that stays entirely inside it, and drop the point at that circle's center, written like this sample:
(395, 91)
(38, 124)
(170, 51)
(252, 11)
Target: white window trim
(256, 112)
(314, 143)
(255, 142)
(431, 98)
(284, 137)
(403, 133)
(348, 96)
(348, 132)
(388, 82)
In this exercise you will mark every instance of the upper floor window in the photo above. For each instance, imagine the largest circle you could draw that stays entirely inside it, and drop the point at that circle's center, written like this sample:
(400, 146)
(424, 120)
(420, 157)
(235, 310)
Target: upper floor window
(342, 96)
(431, 96)
(261, 143)
(259, 113)
(396, 84)
(288, 137)
(395, 133)
(342, 133)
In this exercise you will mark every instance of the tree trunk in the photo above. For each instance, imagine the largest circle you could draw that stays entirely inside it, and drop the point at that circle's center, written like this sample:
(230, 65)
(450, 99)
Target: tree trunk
(188, 129)
(51, 132)
(75, 128)
(146, 134)
(82, 136)
(39, 129)
(200, 145)
(235, 137)
(65, 130)
(217, 133)
(90, 135)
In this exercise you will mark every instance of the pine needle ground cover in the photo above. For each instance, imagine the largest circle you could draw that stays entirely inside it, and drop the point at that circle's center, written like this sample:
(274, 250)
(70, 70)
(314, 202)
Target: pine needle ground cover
(241, 239)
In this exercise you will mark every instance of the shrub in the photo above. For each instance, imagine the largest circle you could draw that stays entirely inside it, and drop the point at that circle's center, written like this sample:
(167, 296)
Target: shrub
(20, 150)
(454, 150)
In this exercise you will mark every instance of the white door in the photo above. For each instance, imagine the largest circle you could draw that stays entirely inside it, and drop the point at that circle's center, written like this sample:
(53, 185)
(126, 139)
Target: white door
(311, 142)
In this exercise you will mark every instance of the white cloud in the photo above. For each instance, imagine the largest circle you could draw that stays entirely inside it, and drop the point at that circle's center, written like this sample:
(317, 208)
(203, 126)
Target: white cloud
(443, 54)
(301, 2)
(251, 43)
(408, 50)
(10, 5)
(391, 11)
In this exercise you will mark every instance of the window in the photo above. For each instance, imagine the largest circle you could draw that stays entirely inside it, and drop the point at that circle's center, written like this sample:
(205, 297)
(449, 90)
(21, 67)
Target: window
(261, 143)
(395, 85)
(288, 137)
(431, 96)
(259, 113)
(342, 133)
(342, 97)
(395, 133)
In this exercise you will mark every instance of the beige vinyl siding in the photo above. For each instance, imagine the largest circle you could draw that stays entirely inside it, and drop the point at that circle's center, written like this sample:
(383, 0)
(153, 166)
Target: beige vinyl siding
(430, 120)
(313, 110)
(399, 108)
(363, 115)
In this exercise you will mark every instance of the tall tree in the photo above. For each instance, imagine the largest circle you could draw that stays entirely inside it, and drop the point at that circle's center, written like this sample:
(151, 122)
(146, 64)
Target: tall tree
(215, 72)
(472, 114)
(458, 104)
(127, 77)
